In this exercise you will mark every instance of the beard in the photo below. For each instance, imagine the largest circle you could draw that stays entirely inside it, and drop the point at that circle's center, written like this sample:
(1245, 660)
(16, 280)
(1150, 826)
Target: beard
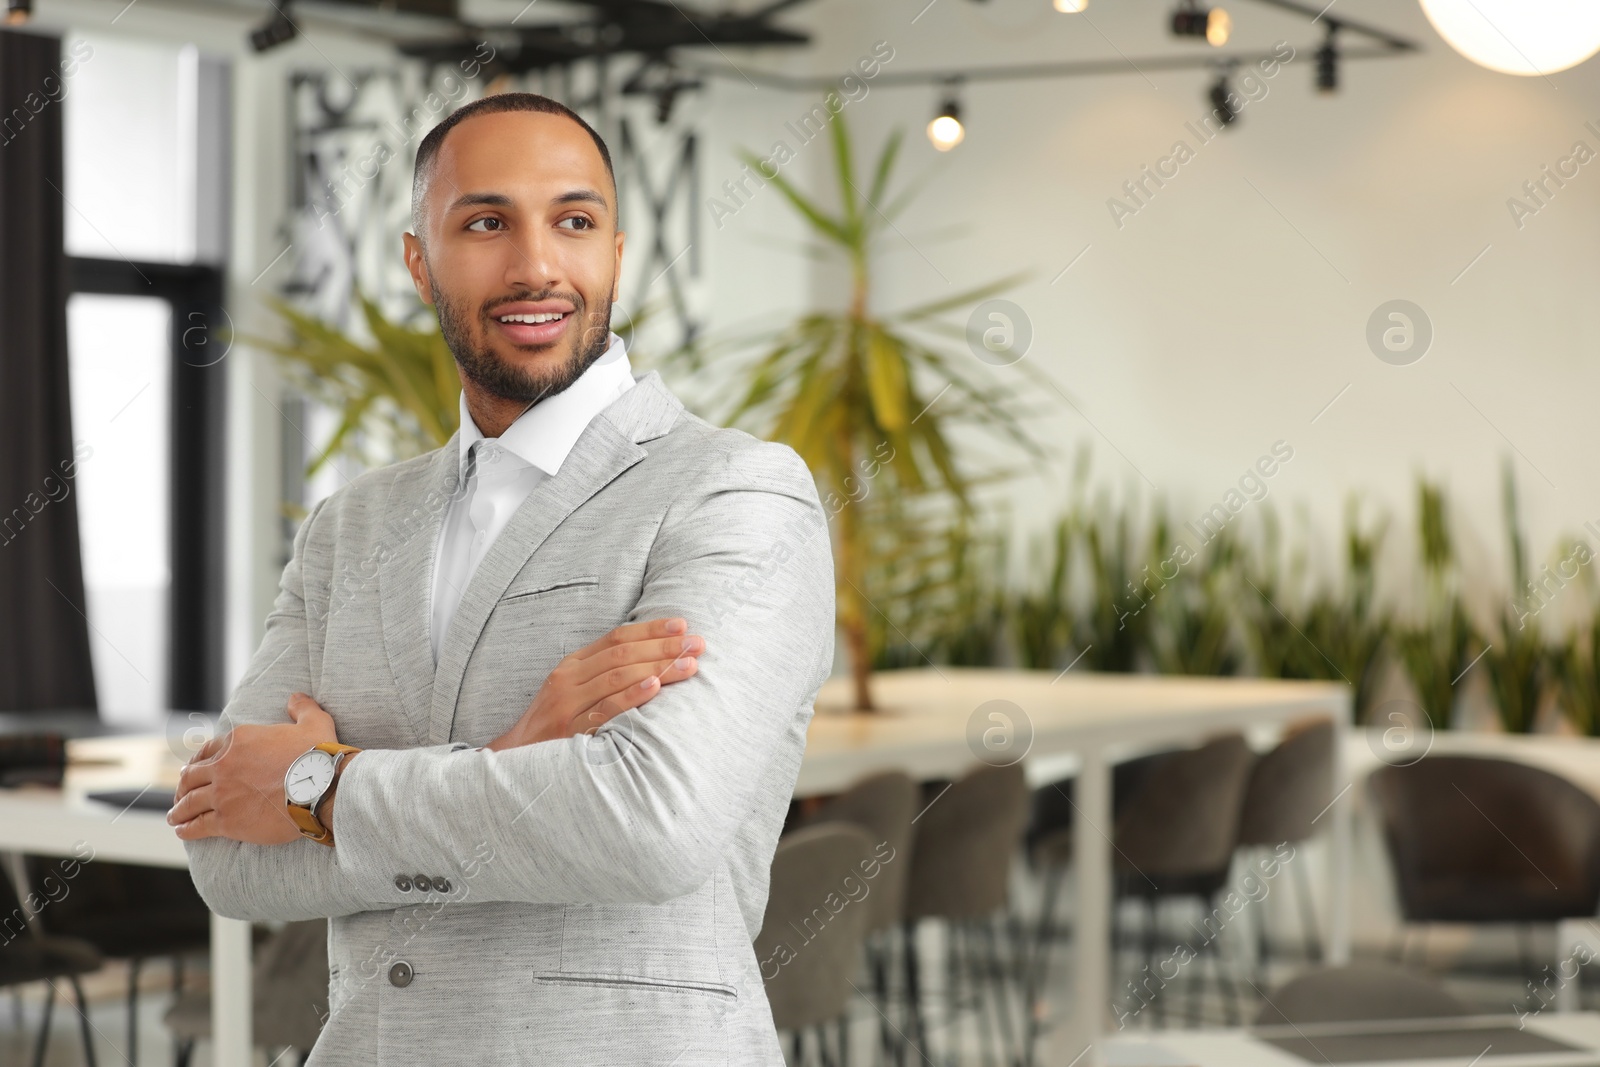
(498, 377)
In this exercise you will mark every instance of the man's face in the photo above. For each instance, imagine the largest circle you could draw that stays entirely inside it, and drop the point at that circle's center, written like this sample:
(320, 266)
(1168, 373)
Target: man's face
(520, 227)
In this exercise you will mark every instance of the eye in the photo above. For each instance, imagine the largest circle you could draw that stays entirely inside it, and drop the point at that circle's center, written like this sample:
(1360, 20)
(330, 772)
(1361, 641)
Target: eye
(498, 224)
(588, 223)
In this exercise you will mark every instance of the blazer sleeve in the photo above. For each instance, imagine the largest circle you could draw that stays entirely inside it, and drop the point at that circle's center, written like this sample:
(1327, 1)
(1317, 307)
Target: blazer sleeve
(300, 880)
(644, 809)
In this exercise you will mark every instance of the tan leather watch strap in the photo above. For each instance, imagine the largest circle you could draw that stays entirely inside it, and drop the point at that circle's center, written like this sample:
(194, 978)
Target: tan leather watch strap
(305, 818)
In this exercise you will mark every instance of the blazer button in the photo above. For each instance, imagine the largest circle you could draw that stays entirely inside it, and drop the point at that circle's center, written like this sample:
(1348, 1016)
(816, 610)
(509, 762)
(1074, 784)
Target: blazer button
(402, 883)
(400, 975)
(441, 885)
(422, 883)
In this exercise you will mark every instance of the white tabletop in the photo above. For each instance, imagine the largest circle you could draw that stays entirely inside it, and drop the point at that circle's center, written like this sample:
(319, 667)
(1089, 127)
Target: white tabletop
(929, 722)
(58, 822)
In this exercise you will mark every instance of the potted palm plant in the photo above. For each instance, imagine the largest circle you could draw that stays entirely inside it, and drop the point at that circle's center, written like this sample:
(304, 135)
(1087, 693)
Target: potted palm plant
(852, 389)
(397, 396)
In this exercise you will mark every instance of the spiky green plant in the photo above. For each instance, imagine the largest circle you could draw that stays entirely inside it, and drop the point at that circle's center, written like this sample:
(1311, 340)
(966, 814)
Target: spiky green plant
(1575, 668)
(1273, 623)
(397, 397)
(1040, 613)
(1193, 624)
(1516, 658)
(970, 631)
(1113, 632)
(854, 387)
(939, 588)
(1434, 649)
(1346, 624)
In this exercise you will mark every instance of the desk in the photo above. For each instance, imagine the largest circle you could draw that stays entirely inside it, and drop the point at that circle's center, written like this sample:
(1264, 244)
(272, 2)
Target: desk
(1243, 1048)
(52, 822)
(939, 722)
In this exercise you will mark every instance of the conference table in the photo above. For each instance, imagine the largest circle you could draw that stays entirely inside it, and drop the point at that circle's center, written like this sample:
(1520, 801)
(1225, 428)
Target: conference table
(1534, 1040)
(941, 722)
(931, 723)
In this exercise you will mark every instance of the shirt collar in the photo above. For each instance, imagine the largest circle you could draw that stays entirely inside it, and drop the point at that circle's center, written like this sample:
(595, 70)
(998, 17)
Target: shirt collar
(543, 435)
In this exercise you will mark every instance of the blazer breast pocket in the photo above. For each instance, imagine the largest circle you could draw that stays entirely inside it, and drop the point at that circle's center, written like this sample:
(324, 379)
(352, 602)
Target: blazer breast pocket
(548, 587)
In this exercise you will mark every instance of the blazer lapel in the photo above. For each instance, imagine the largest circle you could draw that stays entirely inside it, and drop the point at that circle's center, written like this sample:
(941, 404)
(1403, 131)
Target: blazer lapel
(609, 445)
(418, 502)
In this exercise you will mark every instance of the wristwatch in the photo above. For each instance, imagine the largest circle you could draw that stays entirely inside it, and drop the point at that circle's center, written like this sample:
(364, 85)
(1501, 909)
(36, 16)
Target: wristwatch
(308, 781)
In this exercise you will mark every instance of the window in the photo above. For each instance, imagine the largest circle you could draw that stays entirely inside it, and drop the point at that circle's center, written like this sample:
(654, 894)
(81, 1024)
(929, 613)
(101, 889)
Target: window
(145, 152)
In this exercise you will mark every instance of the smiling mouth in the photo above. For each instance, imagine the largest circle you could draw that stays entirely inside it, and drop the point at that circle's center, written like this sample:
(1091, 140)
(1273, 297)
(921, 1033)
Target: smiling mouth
(534, 329)
(553, 316)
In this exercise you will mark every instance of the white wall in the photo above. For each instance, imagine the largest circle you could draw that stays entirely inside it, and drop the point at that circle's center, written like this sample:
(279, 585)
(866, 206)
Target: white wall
(1229, 311)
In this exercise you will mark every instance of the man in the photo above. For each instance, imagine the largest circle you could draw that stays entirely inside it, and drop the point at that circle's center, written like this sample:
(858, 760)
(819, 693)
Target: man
(552, 841)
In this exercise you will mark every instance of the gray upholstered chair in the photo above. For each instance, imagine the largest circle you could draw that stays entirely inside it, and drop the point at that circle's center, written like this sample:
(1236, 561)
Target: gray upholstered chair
(28, 955)
(1177, 817)
(809, 952)
(1481, 840)
(961, 856)
(1176, 838)
(133, 913)
(289, 987)
(1357, 992)
(1290, 789)
(883, 805)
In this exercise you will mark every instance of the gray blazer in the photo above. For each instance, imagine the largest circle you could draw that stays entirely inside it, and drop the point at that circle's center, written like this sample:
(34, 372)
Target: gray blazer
(587, 901)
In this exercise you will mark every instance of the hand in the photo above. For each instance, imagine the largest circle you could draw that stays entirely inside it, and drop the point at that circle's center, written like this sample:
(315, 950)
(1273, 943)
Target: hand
(233, 787)
(602, 680)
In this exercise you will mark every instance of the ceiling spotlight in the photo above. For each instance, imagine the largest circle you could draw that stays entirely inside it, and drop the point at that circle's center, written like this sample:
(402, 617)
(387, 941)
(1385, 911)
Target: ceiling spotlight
(1192, 20)
(18, 12)
(1070, 7)
(1328, 64)
(277, 30)
(946, 131)
(1220, 106)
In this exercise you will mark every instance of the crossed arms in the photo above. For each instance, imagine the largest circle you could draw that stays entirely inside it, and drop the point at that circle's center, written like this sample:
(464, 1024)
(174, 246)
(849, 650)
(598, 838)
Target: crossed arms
(642, 809)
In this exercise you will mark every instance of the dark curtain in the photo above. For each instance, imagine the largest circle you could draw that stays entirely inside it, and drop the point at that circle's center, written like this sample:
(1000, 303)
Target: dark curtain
(44, 633)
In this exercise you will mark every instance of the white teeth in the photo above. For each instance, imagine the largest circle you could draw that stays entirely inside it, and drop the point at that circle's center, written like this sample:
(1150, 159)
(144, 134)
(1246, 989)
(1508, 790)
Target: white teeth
(548, 317)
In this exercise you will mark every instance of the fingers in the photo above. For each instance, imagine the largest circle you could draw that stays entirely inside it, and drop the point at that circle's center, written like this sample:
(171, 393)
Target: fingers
(631, 653)
(302, 707)
(641, 677)
(204, 825)
(209, 750)
(194, 803)
(628, 687)
(193, 776)
(636, 631)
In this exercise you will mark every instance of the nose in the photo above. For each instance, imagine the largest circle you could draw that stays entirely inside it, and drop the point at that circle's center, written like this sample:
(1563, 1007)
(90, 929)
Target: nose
(532, 261)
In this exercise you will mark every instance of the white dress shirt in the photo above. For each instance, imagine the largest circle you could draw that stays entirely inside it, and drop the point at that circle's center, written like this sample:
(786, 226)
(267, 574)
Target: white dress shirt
(498, 473)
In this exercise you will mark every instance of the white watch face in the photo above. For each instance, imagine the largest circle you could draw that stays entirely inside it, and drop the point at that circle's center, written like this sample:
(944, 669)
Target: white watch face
(308, 777)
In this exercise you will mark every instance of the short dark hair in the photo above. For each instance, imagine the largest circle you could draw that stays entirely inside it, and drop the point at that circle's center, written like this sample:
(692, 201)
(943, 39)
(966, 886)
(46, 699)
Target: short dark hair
(428, 150)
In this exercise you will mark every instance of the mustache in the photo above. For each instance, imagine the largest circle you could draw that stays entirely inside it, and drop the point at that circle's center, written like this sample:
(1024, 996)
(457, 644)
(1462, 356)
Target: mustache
(528, 295)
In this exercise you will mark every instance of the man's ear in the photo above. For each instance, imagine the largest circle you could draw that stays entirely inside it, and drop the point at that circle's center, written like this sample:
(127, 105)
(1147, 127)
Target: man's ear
(616, 284)
(417, 265)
